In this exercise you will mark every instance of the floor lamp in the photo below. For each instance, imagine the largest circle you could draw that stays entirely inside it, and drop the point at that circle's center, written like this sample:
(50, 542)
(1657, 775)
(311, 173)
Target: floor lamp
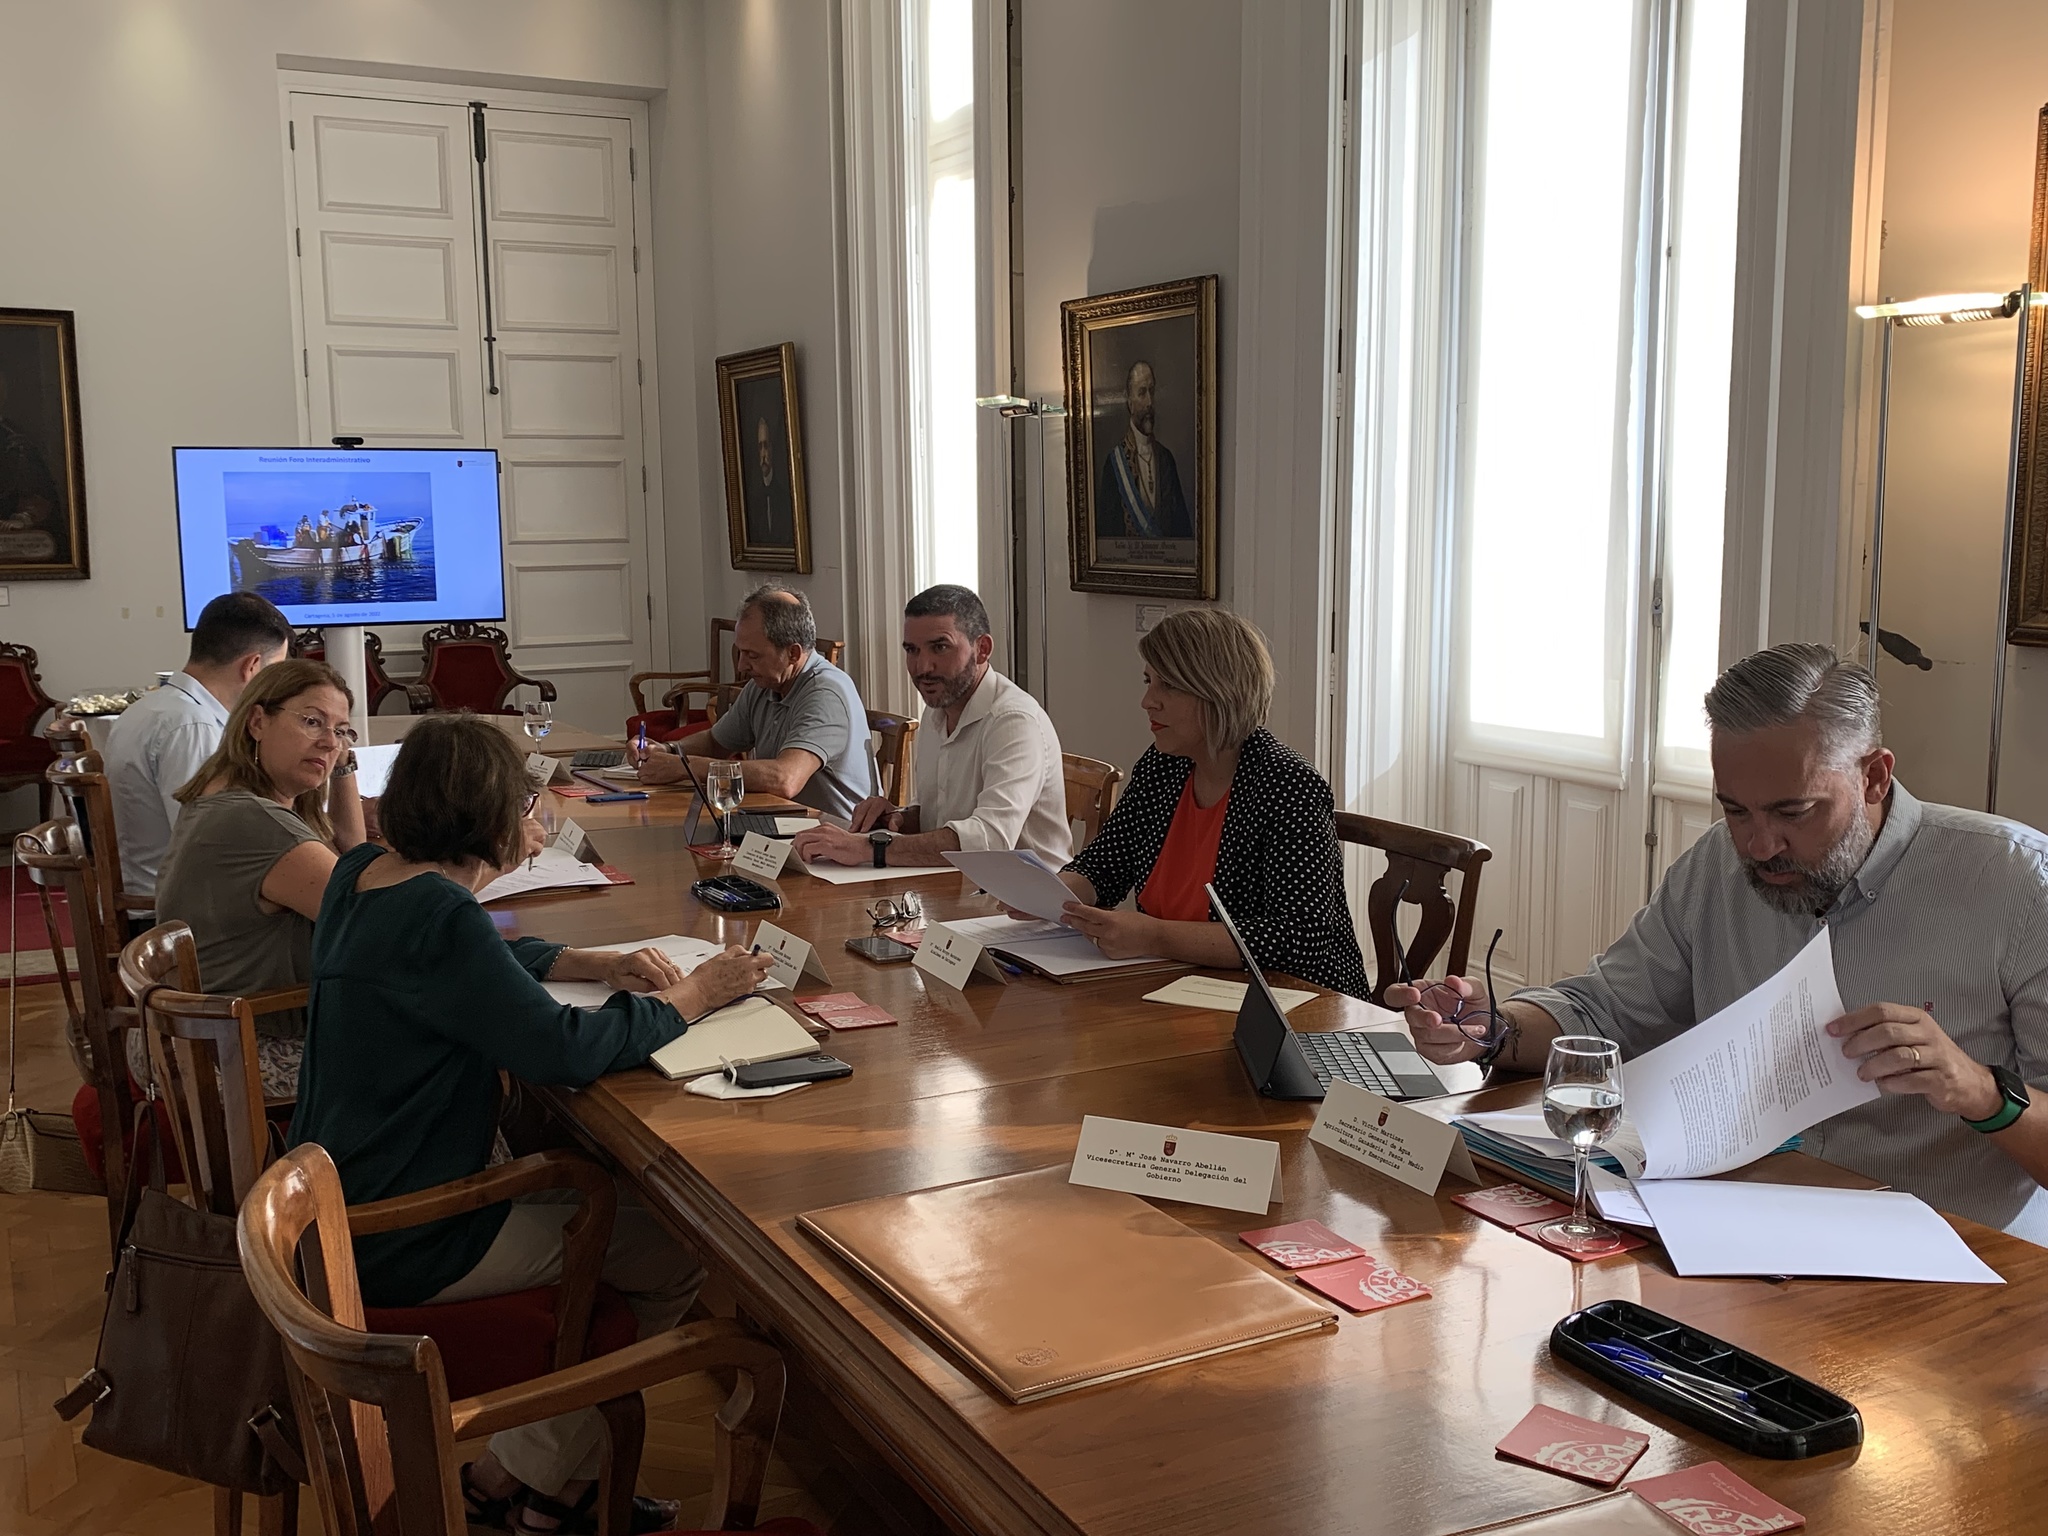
(1955, 309)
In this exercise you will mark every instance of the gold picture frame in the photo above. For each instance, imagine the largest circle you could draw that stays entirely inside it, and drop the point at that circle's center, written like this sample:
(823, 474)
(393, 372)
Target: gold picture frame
(1141, 439)
(2027, 577)
(767, 514)
(42, 458)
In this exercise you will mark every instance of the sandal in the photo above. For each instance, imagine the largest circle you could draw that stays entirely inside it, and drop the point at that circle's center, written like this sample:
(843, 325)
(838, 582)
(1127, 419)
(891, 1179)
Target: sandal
(479, 1508)
(580, 1518)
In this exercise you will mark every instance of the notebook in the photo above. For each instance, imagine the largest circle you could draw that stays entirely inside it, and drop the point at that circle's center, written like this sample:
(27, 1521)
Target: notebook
(751, 1030)
(1045, 1286)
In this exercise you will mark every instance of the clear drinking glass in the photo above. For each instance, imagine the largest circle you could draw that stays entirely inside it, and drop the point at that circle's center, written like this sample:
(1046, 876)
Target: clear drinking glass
(537, 718)
(722, 784)
(1582, 1102)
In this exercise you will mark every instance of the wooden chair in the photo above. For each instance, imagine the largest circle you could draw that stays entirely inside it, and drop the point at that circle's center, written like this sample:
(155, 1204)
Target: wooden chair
(24, 755)
(99, 1015)
(1091, 793)
(678, 712)
(374, 1408)
(892, 757)
(1420, 860)
(469, 666)
(312, 645)
(84, 793)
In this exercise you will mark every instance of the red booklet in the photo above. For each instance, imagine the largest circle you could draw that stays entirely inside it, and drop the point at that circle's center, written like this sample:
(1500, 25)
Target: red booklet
(1561, 1442)
(1302, 1244)
(1364, 1285)
(575, 791)
(1709, 1499)
(616, 876)
(844, 1010)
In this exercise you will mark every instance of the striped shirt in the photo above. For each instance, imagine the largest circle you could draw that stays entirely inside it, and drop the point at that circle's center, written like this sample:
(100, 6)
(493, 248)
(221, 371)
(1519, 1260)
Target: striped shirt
(1949, 909)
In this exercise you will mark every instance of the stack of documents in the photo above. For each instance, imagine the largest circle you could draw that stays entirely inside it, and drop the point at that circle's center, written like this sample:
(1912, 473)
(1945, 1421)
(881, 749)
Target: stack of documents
(1715, 1227)
(1051, 949)
(551, 869)
(1519, 1141)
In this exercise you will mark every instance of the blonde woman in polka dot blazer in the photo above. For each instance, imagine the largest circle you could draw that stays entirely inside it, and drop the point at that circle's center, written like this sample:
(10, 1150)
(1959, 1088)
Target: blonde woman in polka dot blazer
(1218, 798)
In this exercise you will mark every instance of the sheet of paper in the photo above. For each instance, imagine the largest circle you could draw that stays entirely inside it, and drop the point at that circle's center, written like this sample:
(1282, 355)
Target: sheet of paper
(857, 874)
(373, 769)
(552, 869)
(686, 952)
(1016, 879)
(1165, 1162)
(1224, 996)
(1615, 1198)
(1390, 1138)
(1053, 948)
(1713, 1227)
(1734, 1086)
(789, 826)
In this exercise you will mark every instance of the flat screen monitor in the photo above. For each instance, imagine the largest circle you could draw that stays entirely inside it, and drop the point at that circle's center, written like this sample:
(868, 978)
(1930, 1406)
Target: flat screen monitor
(342, 535)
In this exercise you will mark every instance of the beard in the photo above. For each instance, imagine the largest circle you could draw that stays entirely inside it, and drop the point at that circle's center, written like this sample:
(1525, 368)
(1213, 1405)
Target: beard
(945, 692)
(1821, 883)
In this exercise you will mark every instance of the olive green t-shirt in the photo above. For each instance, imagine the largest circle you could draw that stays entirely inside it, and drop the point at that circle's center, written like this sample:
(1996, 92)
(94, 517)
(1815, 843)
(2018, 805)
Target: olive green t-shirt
(222, 849)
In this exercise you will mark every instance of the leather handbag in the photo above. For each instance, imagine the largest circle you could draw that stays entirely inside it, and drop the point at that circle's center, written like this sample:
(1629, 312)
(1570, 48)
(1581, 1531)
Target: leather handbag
(190, 1376)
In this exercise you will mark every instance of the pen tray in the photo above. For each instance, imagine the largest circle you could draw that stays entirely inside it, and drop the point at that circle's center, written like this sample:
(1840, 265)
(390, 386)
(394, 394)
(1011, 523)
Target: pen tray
(1794, 1417)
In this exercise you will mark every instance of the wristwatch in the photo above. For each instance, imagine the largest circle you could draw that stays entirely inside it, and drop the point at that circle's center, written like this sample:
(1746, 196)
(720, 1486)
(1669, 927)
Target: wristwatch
(2014, 1092)
(880, 840)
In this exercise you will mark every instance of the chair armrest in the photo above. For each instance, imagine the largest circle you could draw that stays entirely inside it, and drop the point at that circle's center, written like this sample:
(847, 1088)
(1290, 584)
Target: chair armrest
(700, 1346)
(419, 698)
(558, 1168)
(640, 699)
(281, 1000)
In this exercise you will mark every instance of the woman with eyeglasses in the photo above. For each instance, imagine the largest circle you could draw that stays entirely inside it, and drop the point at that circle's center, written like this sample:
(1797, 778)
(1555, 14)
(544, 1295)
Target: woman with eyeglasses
(263, 822)
(418, 1005)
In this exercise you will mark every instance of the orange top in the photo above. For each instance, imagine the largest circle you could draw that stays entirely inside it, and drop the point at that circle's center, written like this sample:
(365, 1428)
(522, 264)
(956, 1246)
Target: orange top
(1187, 862)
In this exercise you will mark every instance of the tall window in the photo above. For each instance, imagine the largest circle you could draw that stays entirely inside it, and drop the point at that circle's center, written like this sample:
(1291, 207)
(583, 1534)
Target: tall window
(943, 257)
(1598, 324)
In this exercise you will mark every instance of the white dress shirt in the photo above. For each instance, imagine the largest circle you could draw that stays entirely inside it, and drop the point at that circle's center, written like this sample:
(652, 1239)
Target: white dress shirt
(997, 780)
(155, 747)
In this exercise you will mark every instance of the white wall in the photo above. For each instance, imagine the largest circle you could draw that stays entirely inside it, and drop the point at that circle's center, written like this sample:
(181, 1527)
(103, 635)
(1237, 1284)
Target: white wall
(1957, 199)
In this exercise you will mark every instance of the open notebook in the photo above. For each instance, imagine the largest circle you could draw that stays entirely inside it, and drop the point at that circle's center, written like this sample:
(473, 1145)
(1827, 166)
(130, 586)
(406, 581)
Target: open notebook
(751, 1030)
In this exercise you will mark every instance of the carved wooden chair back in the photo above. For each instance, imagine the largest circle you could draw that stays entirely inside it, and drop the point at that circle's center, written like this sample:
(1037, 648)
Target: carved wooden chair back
(1091, 794)
(469, 666)
(24, 754)
(895, 735)
(1419, 863)
(312, 644)
(87, 796)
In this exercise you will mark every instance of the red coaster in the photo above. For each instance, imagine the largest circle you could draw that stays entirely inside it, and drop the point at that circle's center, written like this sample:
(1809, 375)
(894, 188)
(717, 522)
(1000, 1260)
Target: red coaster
(1302, 1245)
(1363, 1285)
(1512, 1205)
(1625, 1242)
(1573, 1447)
(1709, 1500)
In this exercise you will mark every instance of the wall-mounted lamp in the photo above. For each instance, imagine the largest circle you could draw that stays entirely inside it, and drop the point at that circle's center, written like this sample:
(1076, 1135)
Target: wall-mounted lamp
(1010, 407)
(1954, 309)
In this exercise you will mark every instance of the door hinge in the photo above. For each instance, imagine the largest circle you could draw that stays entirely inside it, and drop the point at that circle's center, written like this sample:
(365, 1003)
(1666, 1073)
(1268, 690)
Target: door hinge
(1649, 839)
(291, 134)
(298, 241)
(650, 605)
(640, 372)
(643, 479)
(306, 362)
(632, 171)
(1657, 603)
(636, 258)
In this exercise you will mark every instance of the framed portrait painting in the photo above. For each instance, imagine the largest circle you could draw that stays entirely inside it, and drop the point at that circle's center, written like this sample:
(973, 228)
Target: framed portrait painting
(2027, 574)
(42, 465)
(766, 516)
(1141, 439)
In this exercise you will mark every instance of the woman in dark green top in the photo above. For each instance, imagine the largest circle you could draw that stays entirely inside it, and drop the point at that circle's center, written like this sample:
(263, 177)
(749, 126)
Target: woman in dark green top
(417, 1004)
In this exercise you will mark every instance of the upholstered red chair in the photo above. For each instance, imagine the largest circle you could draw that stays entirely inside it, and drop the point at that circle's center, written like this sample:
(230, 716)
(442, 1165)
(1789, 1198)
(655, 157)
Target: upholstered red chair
(469, 666)
(24, 754)
(312, 645)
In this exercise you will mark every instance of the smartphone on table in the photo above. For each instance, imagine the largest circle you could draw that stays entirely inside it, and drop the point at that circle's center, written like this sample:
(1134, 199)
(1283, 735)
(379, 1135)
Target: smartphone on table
(791, 1069)
(882, 951)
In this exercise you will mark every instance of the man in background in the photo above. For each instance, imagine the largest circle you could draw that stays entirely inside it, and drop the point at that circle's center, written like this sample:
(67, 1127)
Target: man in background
(163, 738)
(989, 772)
(799, 718)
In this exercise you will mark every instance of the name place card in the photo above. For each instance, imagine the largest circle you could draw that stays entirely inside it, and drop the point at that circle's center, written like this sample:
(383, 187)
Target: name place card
(953, 958)
(542, 769)
(570, 838)
(791, 957)
(1165, 1162)
(1390, 1138)
(761, 857)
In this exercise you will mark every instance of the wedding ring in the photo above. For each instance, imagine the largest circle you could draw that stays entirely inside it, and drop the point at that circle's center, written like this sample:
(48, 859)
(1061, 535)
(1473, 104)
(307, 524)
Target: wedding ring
(1916, 1056)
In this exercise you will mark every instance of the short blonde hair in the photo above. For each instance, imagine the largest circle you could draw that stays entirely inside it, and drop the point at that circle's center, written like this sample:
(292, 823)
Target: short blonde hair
(1220, 659)
(235, 761)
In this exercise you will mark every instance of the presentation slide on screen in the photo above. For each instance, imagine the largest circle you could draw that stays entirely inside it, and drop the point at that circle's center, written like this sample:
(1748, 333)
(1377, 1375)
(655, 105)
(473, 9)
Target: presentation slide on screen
(343, 536)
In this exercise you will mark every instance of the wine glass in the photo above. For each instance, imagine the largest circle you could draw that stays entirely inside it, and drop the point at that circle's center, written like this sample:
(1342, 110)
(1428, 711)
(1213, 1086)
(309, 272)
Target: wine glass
(1582, 1105)
(536, 718)
(723, 787)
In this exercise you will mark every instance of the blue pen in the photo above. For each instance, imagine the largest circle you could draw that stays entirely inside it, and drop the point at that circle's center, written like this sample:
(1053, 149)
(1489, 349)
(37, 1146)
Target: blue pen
(1640, 1363)
(625, 794)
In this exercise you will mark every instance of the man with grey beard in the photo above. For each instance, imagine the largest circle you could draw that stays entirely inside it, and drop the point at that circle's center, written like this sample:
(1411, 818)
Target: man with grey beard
(1939, 924)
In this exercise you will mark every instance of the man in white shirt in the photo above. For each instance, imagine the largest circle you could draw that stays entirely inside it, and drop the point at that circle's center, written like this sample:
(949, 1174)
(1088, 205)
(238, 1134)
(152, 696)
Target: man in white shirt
(165, 736)
(989, 773)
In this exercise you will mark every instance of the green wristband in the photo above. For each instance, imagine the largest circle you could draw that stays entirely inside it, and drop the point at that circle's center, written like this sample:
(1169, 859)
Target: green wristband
(2007, 1113)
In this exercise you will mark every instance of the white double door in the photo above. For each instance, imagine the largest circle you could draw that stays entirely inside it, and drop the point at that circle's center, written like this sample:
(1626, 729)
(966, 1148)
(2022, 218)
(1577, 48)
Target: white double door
(448, 300)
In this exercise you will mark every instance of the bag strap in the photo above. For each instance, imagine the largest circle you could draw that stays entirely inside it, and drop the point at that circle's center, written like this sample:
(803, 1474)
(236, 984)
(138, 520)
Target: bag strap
(147, 1156)
(280, 1443)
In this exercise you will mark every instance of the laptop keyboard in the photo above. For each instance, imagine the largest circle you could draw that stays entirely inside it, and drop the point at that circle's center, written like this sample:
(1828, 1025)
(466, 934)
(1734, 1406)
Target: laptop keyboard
(1336, 1056)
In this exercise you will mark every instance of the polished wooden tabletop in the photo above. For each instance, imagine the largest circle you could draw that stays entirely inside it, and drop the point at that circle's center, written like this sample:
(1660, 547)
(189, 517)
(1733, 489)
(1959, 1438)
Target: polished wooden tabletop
(1385, 1425)
(561, 739)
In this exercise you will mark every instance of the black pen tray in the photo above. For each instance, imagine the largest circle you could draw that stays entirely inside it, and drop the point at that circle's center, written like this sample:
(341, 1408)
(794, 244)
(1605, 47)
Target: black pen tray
(1794, 1417)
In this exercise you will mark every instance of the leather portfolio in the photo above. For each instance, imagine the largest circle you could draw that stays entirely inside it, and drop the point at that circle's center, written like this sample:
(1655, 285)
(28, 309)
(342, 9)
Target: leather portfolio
(1045, 1286)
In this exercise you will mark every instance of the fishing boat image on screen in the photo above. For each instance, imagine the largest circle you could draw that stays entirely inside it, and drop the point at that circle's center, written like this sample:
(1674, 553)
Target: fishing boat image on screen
(377, 546)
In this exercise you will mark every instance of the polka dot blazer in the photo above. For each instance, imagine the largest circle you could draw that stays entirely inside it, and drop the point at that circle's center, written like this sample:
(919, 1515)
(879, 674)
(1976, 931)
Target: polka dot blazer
(1279, 869)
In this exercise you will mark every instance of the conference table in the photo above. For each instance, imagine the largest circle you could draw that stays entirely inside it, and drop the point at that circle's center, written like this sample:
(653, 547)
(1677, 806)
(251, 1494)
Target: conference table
(1386, 1424)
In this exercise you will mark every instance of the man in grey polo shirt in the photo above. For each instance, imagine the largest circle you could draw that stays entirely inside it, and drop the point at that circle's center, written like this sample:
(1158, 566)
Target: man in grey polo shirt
(799, 719)
(1939, 921)
(160, 741)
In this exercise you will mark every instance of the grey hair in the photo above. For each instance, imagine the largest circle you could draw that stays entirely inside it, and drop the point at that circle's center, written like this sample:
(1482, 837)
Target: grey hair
(961, 604)
(785, 616)
(1800, 682)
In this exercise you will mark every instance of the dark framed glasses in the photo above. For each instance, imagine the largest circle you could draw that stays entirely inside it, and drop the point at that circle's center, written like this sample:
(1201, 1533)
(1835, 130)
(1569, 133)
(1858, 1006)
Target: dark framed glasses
(1480, 1022)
